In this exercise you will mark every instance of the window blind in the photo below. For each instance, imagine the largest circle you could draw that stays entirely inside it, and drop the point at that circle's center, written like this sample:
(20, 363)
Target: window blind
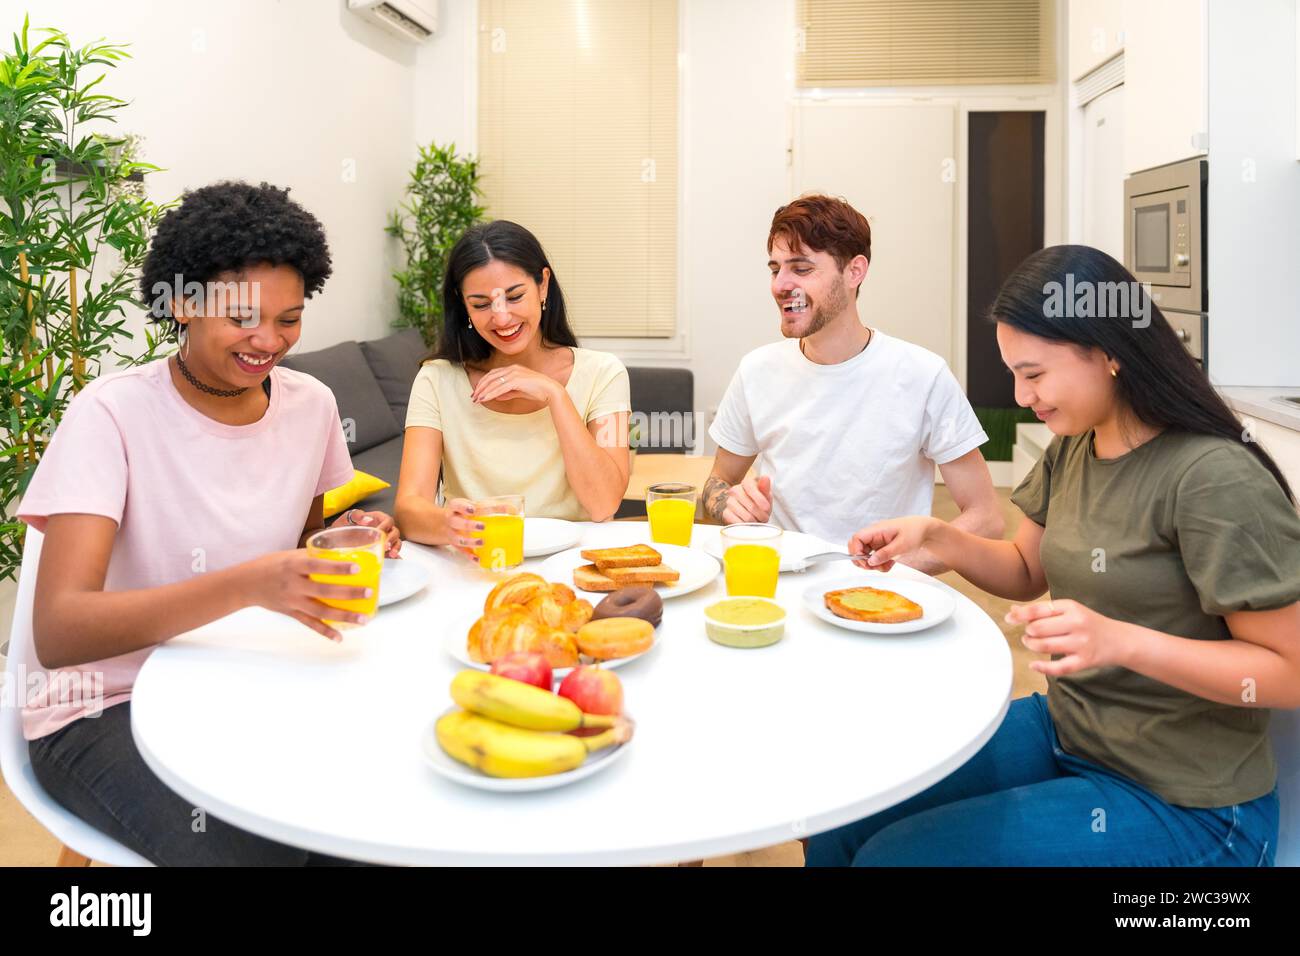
(578, 142)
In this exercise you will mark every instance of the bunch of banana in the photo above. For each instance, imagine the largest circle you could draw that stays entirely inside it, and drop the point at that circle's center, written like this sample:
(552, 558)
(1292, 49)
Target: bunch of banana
(509, 728)
(520, 705)
(500, 750)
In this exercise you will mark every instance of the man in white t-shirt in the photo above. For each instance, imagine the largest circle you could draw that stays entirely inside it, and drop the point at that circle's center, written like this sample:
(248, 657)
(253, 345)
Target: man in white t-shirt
(846, 423)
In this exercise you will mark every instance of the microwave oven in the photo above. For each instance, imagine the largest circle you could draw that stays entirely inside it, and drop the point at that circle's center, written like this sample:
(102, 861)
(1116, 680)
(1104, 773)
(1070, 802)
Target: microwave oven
(1165, 243)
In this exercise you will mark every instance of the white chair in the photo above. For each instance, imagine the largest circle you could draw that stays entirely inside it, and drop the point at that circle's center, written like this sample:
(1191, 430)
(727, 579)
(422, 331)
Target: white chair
(1284, 732)
(81, 842)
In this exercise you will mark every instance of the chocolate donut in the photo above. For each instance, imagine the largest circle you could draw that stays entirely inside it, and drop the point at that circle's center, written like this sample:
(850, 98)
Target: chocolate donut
(639, 602)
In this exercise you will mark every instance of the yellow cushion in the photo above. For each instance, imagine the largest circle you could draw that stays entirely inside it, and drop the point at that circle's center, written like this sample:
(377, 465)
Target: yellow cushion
(345, 496)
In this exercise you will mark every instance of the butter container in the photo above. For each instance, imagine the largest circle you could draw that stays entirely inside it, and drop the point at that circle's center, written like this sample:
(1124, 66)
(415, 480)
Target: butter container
(745, 622)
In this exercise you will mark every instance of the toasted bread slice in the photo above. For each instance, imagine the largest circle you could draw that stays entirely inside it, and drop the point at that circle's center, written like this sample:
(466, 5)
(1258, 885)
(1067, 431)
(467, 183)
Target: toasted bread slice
(638, 555)
(652, 574)
(872, 604)
(589, 578)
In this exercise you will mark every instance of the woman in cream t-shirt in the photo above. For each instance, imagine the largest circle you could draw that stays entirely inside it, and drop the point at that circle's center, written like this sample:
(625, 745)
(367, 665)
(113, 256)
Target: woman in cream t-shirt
(510, 404)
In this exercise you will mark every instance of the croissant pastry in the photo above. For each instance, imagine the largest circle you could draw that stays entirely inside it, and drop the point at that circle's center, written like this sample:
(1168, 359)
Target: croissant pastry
(526, 613)
(499, 632)
(512, 628)
(516, 589)
(547, 609)
(576, 614)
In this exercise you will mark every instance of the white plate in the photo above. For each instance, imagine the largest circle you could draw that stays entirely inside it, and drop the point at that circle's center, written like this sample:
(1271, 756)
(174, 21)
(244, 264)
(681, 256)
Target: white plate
(399, 579)
(455, 640)
(937, 603)
(548, 535)
(695, 567)
(795, 546)
(454, 770)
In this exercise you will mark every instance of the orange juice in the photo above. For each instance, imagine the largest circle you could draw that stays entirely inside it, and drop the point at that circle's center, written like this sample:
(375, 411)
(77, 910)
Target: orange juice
(751, 569)
(503, 542)
(671, 520)
(370, 562)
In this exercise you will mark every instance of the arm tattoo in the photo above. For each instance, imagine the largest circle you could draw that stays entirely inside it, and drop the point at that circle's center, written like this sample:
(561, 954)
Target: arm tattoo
(715, 497)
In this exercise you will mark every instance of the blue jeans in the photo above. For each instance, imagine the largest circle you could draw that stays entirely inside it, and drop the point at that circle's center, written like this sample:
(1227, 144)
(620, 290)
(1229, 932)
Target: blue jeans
(1023, 801)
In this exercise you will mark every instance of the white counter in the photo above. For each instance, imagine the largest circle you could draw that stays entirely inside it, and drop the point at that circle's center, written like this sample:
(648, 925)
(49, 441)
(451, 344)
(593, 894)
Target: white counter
(1274, 424)
(1266, 404)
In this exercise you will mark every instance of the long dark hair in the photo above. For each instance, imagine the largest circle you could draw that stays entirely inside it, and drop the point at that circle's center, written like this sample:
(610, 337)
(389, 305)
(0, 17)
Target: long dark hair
(485, 242)
(1158, 381)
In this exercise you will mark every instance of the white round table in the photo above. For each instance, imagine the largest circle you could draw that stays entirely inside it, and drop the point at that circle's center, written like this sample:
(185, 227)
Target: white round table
(265, 724)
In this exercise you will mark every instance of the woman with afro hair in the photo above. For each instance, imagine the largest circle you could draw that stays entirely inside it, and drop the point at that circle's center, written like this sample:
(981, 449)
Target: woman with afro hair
(175, 493)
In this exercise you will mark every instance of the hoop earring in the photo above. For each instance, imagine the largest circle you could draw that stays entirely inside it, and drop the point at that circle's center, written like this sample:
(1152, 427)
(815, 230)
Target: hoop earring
(183, 340)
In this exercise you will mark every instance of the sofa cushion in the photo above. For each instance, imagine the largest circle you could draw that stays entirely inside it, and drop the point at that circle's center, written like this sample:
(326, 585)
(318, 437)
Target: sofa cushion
(344, 369)
(395, 360)
(383, 461)
(660, 390)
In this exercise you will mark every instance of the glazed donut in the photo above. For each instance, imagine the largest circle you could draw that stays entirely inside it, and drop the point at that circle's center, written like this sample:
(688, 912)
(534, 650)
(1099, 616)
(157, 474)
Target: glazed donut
(614, 637)
(638, 602)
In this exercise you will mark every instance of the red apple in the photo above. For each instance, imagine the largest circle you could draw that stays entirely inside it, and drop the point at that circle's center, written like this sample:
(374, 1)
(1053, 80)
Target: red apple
(527, 667)
(594, 689)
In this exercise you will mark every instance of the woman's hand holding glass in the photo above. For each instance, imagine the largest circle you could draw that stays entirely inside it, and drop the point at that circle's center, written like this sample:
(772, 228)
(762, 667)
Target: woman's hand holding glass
(281, 582)
(377, 519)
(464, 530)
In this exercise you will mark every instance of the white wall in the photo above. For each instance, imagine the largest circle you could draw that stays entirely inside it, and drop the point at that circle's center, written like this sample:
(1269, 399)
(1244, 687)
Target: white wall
(300, 93)
(738, 75)
(1254, 194)
(445, 85)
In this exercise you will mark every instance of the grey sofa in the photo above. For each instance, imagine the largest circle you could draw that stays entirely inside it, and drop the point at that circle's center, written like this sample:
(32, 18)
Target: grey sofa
(371, 382)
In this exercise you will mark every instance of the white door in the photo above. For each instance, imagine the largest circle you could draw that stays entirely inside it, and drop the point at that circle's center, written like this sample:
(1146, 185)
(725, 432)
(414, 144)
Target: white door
(896, 165)
(1103, 173)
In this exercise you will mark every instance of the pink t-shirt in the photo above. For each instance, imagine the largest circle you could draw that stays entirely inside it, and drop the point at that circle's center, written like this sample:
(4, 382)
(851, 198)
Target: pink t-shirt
(189, 495)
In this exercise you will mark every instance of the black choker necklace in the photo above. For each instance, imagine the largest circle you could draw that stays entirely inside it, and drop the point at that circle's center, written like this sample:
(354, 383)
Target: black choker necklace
(189, 377)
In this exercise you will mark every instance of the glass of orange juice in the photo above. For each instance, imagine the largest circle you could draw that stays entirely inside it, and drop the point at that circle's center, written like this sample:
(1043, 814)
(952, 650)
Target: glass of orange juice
(751, 557)
(670, 507)
(357, 545)
(503, 532)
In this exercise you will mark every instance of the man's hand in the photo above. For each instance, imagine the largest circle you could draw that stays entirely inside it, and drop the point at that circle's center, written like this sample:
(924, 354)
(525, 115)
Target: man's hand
(751, 500)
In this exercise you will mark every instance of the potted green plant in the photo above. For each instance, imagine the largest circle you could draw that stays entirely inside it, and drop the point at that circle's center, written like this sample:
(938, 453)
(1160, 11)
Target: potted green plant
(71, 202)
(442, 203)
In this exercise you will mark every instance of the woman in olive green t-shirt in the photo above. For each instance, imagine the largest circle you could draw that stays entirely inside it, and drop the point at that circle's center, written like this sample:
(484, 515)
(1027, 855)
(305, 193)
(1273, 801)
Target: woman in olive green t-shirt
(1170, 543)
(509, 404)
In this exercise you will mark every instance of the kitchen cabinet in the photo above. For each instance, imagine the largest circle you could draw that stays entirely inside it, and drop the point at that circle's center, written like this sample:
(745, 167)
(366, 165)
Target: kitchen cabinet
(1164, 82)
(1096, 33)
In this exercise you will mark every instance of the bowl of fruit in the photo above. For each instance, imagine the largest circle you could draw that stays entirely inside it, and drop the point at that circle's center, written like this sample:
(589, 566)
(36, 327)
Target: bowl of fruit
(512, 729)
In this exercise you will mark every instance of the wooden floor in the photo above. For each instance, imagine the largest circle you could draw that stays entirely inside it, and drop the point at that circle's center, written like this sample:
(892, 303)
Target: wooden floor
(23, 842)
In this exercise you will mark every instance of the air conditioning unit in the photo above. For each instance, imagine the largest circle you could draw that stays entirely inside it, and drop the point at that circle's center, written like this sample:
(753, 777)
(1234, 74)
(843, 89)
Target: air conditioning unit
(413, 19)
